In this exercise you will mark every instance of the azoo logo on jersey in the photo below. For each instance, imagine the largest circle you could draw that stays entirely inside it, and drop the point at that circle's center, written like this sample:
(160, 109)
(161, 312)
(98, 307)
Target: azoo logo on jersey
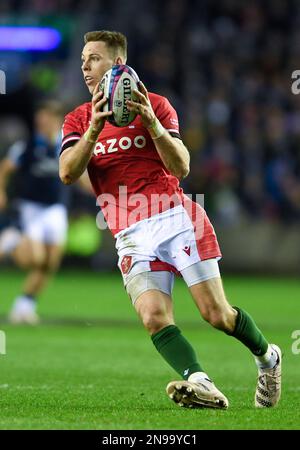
(114, 145)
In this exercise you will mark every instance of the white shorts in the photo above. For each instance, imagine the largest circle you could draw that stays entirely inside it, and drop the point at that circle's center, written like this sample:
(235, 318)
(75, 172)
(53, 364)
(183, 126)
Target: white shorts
(165, 241)
(47, 224)
(164, 281)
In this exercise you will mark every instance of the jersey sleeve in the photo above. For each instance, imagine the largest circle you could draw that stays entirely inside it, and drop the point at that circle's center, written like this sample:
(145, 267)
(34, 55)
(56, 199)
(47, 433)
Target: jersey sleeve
(71, 131)
(168, 117)
(16, 152)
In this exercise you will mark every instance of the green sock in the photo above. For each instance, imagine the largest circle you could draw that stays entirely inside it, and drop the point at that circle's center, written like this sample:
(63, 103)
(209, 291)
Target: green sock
(176, 350)
(247, 332)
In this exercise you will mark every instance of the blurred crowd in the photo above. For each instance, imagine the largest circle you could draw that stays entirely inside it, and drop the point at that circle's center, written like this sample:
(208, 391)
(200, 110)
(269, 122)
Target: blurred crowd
(226, 66)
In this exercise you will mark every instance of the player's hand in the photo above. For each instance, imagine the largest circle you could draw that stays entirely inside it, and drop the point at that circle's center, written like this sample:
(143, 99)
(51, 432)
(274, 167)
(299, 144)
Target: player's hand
(144, 108)
(98, 116)
(3, 200)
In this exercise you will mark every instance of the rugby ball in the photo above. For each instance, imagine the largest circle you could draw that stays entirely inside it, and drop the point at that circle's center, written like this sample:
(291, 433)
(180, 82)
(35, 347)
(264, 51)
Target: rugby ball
(118, 84)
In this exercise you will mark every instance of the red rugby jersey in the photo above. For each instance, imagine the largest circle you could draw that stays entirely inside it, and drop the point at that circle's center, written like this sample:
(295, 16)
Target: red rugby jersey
(125, 170)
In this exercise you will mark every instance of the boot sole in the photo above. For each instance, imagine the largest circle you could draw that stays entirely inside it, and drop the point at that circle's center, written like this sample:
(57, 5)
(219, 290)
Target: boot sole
(185, 396)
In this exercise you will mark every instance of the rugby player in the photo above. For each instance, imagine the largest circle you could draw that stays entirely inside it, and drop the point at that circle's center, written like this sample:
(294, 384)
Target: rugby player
(148, 159)
(37, 246)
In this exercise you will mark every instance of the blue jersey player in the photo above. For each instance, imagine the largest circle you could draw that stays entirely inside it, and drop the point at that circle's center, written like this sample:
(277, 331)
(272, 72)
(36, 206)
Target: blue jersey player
(41, 206)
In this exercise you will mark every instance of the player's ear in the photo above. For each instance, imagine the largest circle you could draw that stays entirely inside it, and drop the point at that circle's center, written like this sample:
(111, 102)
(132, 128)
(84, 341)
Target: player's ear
(119, 60)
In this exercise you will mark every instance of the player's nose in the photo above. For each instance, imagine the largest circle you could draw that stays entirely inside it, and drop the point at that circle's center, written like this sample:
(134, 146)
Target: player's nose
(85, 66)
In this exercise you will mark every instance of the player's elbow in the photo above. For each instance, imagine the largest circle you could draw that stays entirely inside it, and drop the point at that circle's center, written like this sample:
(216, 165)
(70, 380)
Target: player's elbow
(185, 170)
(183, 163)
(66, 180)
(65, 170)
(182, 171)
(65, 176)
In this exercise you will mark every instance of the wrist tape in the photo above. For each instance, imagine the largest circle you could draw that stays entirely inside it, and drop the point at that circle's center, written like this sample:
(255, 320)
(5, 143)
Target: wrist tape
(91, 135)
(156, 130)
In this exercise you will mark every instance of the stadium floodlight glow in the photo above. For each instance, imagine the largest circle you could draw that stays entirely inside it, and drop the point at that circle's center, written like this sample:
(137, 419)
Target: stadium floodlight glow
(29, 38)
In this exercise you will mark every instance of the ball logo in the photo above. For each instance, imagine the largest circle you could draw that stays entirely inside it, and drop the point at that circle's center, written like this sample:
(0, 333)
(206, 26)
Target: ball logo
(126, 96)
(126, 83)
(118, 84)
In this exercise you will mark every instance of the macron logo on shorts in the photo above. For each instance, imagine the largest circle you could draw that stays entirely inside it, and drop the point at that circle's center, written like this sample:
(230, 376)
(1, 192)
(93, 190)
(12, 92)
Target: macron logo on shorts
(126, 264)
(187, 250)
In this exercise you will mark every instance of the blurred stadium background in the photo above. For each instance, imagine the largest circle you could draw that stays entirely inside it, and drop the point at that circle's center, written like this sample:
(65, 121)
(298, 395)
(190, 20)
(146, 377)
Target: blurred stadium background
(226, 66)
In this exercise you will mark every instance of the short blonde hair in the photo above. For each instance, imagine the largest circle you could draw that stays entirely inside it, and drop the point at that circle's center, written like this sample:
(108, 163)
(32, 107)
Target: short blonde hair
(116, 42)
(54, 107)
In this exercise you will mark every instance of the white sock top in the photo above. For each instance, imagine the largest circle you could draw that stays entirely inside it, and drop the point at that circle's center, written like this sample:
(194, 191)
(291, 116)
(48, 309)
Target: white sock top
(198, 377)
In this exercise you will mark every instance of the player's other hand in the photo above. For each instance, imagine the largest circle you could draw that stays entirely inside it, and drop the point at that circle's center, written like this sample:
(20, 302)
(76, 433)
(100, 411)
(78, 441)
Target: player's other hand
(144, 107)
(3, 200)
(98, 116)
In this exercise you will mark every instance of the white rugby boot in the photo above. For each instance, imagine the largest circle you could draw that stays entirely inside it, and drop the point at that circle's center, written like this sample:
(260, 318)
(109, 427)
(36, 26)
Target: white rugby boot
(268, 389)
(23, 312)
(197, 392)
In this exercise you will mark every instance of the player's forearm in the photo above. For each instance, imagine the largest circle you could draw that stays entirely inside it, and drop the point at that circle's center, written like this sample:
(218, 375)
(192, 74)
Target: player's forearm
(7, 167)
(85, 184)
(173, 154)
(74, 160)
(3, 180)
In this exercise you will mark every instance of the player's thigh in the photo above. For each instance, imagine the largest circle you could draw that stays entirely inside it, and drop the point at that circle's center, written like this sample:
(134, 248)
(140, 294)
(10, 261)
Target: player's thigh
(150, 293)
(54, 256)
(210, 299)
(155, 309)
(22, 254)
(205, 284)
(38, 254)
(30, 254)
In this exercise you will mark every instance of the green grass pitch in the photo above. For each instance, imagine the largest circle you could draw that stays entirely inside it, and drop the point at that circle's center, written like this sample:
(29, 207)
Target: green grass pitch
(91, 365)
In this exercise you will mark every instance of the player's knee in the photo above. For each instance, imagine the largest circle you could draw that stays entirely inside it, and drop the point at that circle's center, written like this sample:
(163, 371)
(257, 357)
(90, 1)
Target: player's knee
(22, 261)
(51, 266)
(154, 321)
(39, 261)
(222, 320)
